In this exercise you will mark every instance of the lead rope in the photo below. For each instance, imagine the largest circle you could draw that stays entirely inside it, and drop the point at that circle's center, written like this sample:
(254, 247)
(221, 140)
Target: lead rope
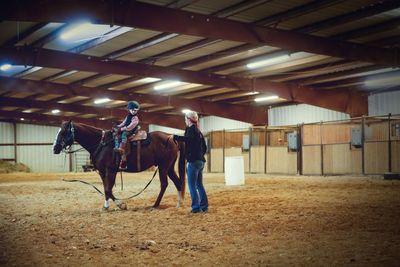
(98, 190)
(122, 181)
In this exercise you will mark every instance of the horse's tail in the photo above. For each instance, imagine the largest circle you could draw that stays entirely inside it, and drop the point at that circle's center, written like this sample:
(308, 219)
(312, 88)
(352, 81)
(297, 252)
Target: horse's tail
(181, 168)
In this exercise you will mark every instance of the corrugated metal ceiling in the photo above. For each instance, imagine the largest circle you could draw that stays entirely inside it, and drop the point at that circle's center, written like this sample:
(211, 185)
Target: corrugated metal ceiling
(217, 56)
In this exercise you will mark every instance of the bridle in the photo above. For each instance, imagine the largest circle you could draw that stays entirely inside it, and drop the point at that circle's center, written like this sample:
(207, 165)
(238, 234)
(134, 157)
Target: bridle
(67, 138)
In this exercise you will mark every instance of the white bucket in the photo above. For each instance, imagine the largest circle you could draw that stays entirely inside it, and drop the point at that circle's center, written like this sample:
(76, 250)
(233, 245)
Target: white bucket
(234, 170)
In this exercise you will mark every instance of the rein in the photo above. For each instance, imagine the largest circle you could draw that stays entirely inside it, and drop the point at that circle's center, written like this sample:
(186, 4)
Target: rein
(99, 146)
(98, 190)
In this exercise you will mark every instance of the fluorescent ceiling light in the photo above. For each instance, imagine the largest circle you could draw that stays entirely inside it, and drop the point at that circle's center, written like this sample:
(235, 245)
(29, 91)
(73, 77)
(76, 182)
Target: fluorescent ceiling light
(167, 85)
(148, 80)
(185, 110)
(102, 100)
(383, 81)
(5, 67)
(266, 98)
(22, 119)
(55, 111)
(267, 62)
(76, 30)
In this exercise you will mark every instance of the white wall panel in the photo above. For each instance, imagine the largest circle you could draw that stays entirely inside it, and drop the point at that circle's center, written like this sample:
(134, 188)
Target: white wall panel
(79, 158)
(214, 123)
(29, 133)
(40, 158)
(296, 114)
(6, 133)
(6, 152)
(384, 103)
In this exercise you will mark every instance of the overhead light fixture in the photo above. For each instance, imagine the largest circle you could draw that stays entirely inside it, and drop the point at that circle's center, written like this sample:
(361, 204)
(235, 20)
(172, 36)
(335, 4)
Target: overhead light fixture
(266, 98)
(148, 80)
(167, 85)
(22, 119)
(5, 67)
(267, 62)
(186, 110)
(102, 100)
(384, 80)
(76, 30)
(55, 111)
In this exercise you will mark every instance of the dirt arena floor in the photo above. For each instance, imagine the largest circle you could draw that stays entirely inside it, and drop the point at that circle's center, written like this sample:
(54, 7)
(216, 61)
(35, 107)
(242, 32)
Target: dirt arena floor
(269, 221)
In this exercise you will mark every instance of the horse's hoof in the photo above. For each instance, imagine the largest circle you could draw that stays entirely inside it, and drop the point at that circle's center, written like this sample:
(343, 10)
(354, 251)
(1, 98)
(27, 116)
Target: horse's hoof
(105, 208)
(154, 208)
(122, 206)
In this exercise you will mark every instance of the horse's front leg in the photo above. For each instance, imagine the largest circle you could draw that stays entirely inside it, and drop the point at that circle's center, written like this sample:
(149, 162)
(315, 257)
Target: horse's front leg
(105, 185)
(108, 182)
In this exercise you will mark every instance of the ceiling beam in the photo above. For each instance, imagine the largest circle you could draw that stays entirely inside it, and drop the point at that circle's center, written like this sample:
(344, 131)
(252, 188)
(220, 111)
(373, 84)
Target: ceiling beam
(100, 40)
(376, 80)
(335, 69)
(226, 12)
(136, 14)
(248, 114)
(296, 11)
(291, 92)
(23, 35)
(53, 119)
(141, 45)
(363, 12)
(119, 114)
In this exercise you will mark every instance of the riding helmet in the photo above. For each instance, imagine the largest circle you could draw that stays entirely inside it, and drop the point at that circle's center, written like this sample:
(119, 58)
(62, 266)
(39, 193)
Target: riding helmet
(133, 105)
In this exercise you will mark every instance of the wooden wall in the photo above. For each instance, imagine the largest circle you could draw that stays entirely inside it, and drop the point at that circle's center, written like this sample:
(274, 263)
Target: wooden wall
(395, 156)
(311, 160)
(257, 162)
(326, 148)
(341, 159)
(279, 160)
(217, 160)
(376, 157)
(311, 134)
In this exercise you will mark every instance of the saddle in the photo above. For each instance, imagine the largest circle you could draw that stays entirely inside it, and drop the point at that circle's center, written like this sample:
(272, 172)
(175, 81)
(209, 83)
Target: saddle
(140, 135)
(137, 140)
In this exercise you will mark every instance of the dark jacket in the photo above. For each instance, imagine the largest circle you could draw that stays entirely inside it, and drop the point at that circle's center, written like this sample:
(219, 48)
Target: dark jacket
(195, 146)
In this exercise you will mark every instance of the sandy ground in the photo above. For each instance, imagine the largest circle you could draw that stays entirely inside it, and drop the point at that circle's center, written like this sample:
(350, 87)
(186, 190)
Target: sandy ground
(269, 221)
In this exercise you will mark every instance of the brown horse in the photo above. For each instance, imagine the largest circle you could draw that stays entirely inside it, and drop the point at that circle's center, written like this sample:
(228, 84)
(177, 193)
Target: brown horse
(162, 151)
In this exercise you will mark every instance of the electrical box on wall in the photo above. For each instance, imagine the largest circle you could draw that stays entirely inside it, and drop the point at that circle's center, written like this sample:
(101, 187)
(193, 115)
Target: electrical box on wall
(246, 142)
(292, 141)
(356, 137)
(207, 140)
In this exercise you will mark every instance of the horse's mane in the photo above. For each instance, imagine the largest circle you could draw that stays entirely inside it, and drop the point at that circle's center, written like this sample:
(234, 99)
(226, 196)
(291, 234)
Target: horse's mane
(88, 127)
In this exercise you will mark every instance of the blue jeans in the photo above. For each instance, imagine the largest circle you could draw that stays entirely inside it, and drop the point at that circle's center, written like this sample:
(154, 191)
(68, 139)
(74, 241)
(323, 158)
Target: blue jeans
(124, 139)
(196, 188)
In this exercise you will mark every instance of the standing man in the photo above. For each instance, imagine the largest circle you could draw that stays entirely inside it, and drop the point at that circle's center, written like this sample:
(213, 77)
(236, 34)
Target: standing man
(195, 148)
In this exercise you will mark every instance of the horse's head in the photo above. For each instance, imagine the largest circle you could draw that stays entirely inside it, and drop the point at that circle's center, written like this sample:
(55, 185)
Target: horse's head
(65, 137)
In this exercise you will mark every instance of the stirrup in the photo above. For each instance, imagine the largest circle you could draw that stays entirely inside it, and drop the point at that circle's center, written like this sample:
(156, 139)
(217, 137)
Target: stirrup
(123, 166)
